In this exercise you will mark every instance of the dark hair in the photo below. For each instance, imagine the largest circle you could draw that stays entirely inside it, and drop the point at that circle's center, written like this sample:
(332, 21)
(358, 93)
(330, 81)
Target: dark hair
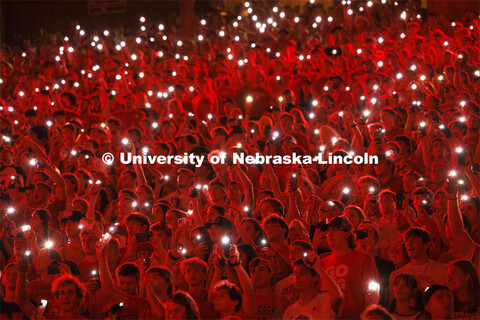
(257, 227)
(276, 204)
(184, 299)
(139, 217)
(166, 274)
(418, 232)
(44, 215)
(162, 227)
(467, 267)
(233, 291)
(304, 244)
(412, 283)
(275, 218)
(128, 269)
(375, 309)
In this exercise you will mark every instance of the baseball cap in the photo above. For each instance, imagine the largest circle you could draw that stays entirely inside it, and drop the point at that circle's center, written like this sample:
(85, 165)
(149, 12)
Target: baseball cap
(339, 223)
(73, 216)
(220, 222)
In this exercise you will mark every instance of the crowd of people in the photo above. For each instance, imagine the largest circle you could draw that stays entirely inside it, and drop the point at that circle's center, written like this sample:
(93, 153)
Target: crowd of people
(84, 235)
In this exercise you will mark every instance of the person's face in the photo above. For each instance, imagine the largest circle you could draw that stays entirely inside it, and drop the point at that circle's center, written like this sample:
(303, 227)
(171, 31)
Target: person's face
(175, 311)
(303, 278)
(337, 238)
(397, 256)
(274, 231)
(184, 180)
(9, 279)
(386, 204)
(441, 200)
(124, 208)
(142, 195)
(416, 247)
(470, 210)
(162, 287)
(286, 124)
(172, 220)
(134, 227)
(387, 118)
(297, 232)
(409, 183)
(67, 297)
(35, 221)
(438, 149)
(266, 209)
(127, 181)
(222, 300)
(71, 228)
(42, 261)
(216, 193)
(296, 252)
(440, 305)
(41, 195)
(352, 215)
(88, 243)
(402, 291)
(249, 229)
(261, 276)
(235, 193)
(456, 279)
(194, 275)
(128, 284)
(439, 174)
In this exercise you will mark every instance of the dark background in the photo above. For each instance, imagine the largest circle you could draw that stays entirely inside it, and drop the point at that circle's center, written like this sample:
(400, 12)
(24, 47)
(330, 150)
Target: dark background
(27, 17)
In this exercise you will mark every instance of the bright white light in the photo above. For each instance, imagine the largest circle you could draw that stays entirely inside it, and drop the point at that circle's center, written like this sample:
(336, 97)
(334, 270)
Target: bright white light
(142, 19)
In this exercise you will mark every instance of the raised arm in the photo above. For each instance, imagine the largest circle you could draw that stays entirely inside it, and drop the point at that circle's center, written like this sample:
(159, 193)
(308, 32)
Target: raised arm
(461, 238)
(248, 289)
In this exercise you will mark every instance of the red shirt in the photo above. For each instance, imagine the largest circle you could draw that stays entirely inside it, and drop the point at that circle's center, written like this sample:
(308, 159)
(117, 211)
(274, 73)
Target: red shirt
(352, 272)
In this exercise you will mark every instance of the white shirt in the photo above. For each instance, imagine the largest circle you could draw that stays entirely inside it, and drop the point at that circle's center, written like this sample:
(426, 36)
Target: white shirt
(319, 307)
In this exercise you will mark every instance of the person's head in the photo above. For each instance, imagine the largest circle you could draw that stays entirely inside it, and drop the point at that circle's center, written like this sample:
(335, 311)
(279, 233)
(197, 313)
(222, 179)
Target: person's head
(304, 277)
(253, 229)
(369, 240)
(195, 271)
(144, 193)
(276, 229)
(164, 279)
(72, 223)
(297, 231)
(185, 178)
(270, 206)
(128, 276)
(125, 207)
(128, 179)
(421, 197)
(181, 307)
(386, 201)
(405, 288)
(298, 249)
(40, 219)
(470, 206)
(44, 258)
(9, 277)
(42, 193)
(161, 234)
(355, 215)
(340, 233)
(462, 277)
(69, 292)
(438, 301)
(261, 273)
(137, 223)
(227, 297)
(417, 242)
(376, 312)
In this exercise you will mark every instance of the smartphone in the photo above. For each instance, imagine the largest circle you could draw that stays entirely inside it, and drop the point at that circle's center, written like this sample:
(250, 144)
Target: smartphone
(461, 156)
(226, 241)
(41, 308)
(426, 204)
(294, 179)
(265, 243)
(94, 275)
(142, 236)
